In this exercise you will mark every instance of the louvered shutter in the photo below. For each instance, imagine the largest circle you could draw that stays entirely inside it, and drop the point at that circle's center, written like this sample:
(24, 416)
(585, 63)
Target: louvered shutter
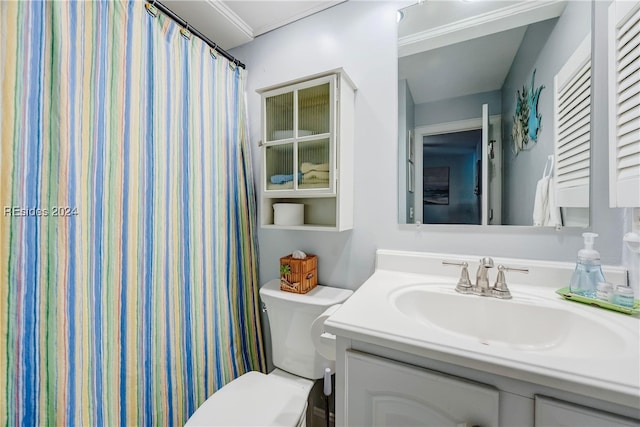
(572, 123)
(624, 104)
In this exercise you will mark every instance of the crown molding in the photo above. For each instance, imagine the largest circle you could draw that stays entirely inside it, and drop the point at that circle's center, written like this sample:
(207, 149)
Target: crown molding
(232, 17)
(503, 19)
(318, 7)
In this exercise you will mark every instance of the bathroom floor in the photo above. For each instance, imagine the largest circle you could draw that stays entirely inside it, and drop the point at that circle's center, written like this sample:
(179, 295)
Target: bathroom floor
(316, 408)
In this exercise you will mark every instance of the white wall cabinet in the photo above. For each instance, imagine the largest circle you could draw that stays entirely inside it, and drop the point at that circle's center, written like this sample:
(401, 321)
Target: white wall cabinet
(307, 150)
(381, 392)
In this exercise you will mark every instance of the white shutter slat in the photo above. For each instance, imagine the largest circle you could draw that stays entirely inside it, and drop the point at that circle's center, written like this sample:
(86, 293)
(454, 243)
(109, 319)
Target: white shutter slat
(578, 105)
(630, 105)
(627, 127)
(580, 140)
(628, 30)
(627, 59)
(578, 182)
(578, 126)
(579, 162)
(578, 153)
(577, 86)
(572, 178)
(628, 89)
(629, 173)
(627, 139)
(628, 160)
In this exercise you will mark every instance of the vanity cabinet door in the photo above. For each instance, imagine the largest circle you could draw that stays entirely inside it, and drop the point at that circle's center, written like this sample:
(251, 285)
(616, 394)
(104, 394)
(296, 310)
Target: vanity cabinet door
(556, 413)
(381, 392)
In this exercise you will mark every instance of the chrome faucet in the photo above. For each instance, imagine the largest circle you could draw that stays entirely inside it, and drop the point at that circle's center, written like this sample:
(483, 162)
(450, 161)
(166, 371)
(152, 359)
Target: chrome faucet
(482, 277)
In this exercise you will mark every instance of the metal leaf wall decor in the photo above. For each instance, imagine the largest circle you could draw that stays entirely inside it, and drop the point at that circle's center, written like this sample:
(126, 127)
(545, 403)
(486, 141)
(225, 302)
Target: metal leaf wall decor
(527, 120)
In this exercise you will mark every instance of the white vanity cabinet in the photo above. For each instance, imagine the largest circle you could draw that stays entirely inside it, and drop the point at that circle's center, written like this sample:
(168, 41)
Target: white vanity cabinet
(376, 386)
(307, 150)
(382, 392)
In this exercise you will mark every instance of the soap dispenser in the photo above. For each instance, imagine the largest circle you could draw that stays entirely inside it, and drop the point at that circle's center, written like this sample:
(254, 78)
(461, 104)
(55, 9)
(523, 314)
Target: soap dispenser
(588, 272)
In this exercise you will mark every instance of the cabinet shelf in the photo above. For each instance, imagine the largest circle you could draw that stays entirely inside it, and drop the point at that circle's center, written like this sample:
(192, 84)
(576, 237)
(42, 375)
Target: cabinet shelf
(305, 227)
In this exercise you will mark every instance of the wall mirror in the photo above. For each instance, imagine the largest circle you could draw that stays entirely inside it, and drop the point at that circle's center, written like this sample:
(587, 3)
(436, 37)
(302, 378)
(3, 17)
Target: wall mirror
(494, 103)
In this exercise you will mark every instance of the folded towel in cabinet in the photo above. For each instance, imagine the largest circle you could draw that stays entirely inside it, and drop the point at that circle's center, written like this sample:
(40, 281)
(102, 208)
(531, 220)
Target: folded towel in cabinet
(308, 167)
(316, 175)
(282, 178)
(324, 182)
(285, 186)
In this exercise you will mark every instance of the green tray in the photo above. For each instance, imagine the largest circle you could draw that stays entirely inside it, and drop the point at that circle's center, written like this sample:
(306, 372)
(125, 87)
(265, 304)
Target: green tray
(566, 293)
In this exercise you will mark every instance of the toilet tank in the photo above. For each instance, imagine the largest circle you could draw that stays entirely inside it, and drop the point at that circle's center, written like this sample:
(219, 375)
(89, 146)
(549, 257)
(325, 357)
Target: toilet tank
(290, 318)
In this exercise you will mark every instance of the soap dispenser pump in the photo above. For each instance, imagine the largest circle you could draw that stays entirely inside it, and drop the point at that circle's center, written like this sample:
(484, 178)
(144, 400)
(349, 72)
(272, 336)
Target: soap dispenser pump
(588, 272)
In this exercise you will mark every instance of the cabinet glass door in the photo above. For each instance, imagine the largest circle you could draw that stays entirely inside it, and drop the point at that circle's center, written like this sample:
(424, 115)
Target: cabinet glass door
(314, 112)
(279, 116)
(313, 164)
(299, 133)
(279, 167)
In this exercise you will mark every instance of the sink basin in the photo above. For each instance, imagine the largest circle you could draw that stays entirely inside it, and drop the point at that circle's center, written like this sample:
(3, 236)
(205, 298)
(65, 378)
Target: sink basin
(524, 323)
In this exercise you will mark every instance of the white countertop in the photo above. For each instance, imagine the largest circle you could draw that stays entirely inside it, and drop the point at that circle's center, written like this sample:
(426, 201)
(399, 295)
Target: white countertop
(368, 316)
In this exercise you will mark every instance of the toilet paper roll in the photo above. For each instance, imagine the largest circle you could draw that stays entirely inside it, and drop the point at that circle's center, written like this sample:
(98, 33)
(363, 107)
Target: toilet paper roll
(324, 342)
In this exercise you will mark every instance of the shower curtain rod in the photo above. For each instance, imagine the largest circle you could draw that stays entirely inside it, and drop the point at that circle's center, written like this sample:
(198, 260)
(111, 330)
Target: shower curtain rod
(171, 14)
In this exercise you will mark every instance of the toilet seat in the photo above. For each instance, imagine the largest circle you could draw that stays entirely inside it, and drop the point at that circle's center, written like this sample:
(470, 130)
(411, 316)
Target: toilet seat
(256, 399)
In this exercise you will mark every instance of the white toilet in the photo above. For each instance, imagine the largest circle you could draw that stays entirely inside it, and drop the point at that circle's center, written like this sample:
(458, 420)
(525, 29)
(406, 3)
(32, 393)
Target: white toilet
(280, 398)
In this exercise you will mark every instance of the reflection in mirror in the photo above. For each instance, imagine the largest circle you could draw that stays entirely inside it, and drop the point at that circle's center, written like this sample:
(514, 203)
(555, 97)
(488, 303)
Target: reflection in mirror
(469, 151)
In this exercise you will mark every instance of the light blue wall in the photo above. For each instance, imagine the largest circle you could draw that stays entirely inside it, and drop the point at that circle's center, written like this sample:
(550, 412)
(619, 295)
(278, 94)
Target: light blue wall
(455, 109)
(342, 36)
(546, 47)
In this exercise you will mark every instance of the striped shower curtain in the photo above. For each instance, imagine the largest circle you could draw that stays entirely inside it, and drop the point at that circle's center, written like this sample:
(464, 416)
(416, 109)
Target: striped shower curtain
(128, 276)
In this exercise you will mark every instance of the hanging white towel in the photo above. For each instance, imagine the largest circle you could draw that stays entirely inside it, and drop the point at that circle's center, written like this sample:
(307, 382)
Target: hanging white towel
(554, 218)
(545, 211)
(541, 202)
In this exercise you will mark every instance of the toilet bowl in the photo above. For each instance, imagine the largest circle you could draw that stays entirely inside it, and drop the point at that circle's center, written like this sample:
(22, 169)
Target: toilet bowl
(280, 398)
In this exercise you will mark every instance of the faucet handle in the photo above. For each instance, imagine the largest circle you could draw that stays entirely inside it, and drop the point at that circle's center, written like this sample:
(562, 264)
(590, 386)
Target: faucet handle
(500, 289)
(464, 284)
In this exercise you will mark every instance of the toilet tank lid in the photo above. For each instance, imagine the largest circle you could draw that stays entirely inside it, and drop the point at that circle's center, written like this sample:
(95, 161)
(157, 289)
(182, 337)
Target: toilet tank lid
(320, 295)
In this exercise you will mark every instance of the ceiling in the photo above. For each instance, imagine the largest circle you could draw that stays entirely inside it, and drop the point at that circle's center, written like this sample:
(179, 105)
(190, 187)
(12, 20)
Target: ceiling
(475, 66)
(464, 47)
(231, 23)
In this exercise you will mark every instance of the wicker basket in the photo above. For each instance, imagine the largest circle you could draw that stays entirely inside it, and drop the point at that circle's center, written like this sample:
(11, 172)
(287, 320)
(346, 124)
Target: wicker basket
(298, 275)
